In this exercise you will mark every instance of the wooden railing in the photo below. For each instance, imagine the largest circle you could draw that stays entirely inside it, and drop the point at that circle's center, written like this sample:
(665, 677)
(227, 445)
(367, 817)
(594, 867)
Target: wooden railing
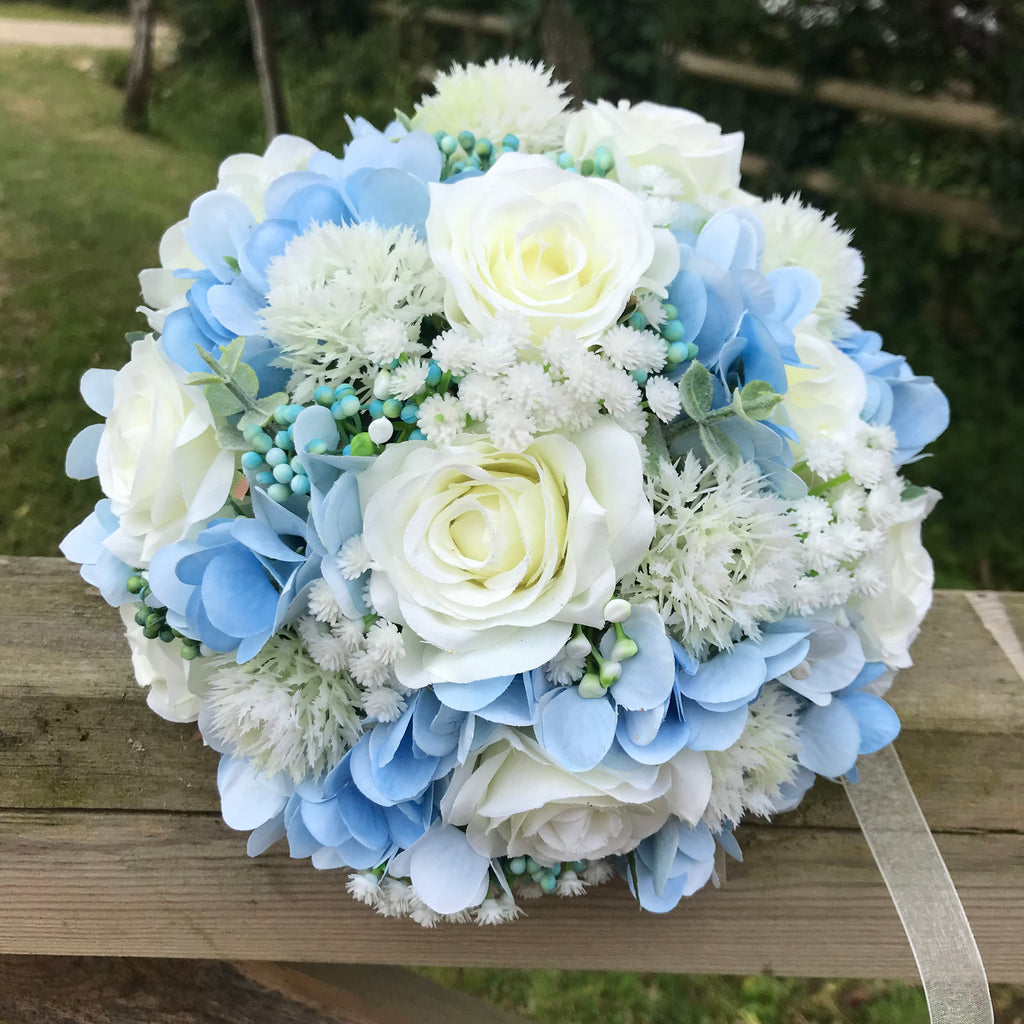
(111, 842)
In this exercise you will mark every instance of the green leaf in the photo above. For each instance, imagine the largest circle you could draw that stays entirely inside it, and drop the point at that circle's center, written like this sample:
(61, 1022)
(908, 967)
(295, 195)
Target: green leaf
(696, 391)
(719, 445)
(403, 119)
(911, 491)
(655, 445)
(756, 400)
(231, 438)
(203, 378)
(244, 377)
(133, 336)
(223, 402)
(232, 263)
(231, 356)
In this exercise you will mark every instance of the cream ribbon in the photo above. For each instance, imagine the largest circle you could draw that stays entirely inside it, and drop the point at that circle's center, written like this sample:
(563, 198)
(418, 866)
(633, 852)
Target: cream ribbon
(915, 874)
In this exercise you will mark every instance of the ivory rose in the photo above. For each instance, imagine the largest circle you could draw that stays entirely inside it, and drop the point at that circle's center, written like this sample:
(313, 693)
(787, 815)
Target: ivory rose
(490, 557)
(513, 800)
(158, 458)
(530, 238)
(694, 152)
(889, 622)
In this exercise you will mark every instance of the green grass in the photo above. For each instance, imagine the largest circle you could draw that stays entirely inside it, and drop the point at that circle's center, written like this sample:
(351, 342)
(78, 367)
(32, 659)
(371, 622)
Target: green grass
(44, 12)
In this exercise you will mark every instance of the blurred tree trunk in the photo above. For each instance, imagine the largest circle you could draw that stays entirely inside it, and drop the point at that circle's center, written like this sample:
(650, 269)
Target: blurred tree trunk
(565, 46)
(264, 51)
(140, 68)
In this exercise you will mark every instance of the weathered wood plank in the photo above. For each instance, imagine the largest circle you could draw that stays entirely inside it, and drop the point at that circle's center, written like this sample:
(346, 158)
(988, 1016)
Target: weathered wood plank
(806, 901)
(108, 990)
(75, 731)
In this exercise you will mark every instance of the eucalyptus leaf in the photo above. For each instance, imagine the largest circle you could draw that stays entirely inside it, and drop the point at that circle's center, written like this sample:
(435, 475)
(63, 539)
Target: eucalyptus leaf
(403, 119)
(655, 445)
(223, 402)
(203, 378)
(133, 336)
(719, 445)
(231, 438)
(756, 400)
(231, 356)
(696, 391)
(244, 377)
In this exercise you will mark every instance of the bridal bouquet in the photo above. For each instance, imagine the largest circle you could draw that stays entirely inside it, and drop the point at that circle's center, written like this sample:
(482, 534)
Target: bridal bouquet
(511, 499)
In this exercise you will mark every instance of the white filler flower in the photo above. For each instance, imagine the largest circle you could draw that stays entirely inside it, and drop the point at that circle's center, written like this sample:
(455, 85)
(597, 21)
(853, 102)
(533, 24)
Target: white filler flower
(562, 250)
(491, 556)
(159, 460)
(492, 100)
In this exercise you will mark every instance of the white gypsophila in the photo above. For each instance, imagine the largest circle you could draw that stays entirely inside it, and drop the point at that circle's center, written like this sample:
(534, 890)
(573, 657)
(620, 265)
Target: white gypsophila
(385, 704)
(423, 915)
(502, 97)
(570, 884)
(385, 340)
(323, 605)
(158, 458)
(284, 712)
(803, 236)
(364, 887)
(353, 559)
(563, 815)
(694, 155)
(663, 398)
(569, 664)
(408, 378)
(396, 898)
(630, 349)
(441, 418)
(167, 677)
(560, 249)
(385, 642)
(597, 872)
(334, 281)
(725, 554)
(497, 910)
(750, 774)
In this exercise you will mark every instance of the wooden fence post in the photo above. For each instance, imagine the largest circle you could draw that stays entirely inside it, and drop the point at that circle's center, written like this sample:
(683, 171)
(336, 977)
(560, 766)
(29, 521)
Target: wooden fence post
(140, 67)
(264, 51)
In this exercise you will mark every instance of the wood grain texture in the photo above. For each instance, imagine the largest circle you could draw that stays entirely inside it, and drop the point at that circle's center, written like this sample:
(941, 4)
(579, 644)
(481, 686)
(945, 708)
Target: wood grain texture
(110, 841)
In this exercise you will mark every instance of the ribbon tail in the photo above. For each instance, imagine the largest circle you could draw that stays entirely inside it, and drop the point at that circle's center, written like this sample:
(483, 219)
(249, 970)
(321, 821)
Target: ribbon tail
(918, 881)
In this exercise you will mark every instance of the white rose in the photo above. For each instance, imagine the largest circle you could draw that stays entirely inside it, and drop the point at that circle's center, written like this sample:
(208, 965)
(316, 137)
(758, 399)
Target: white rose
(562, 250)
(704, 162)
(889, 623)
(514, 800)
(825, 395)
(159, 461)
(162, 291)
(491, 556)
(161, 668)
(248, 175)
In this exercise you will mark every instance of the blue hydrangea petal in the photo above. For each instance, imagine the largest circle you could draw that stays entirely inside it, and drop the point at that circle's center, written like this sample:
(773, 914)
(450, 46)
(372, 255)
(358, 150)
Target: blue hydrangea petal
(829, 739)
(248, 798)
(879, 724)
(446, 872)
(80, 461)
(282, 189)
(218, 226)
(97, 388)
(796, 291)
(713, 730)
(264, 836)
(672, 735)
(239, 599)
(920, 413)
(732, 675)
(435, 728)
(648, 677)
(236, 306)
(472, 696)
(179, 339)
(390, 197)
(316, 204)
(576, 731)
(99, 566)
(268, 241)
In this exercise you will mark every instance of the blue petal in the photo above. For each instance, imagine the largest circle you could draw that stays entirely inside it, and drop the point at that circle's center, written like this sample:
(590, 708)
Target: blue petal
(249, 798)
(829, 739)
(472, 696)
(731, 675)
(576, 731)
(179, 339)
(797, 292)
(97, 388)
(648, 677)
(80, 461)
(238, 599)
(446, 872)
(713, 730)
(879, 724)
(219, 224)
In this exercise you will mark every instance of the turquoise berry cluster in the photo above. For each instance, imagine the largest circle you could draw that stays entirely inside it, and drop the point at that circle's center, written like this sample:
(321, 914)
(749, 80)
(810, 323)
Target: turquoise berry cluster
(600, 165)
(545, 877)
(673, 331)
(154, 620)
(465, 152)
(364, 427)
